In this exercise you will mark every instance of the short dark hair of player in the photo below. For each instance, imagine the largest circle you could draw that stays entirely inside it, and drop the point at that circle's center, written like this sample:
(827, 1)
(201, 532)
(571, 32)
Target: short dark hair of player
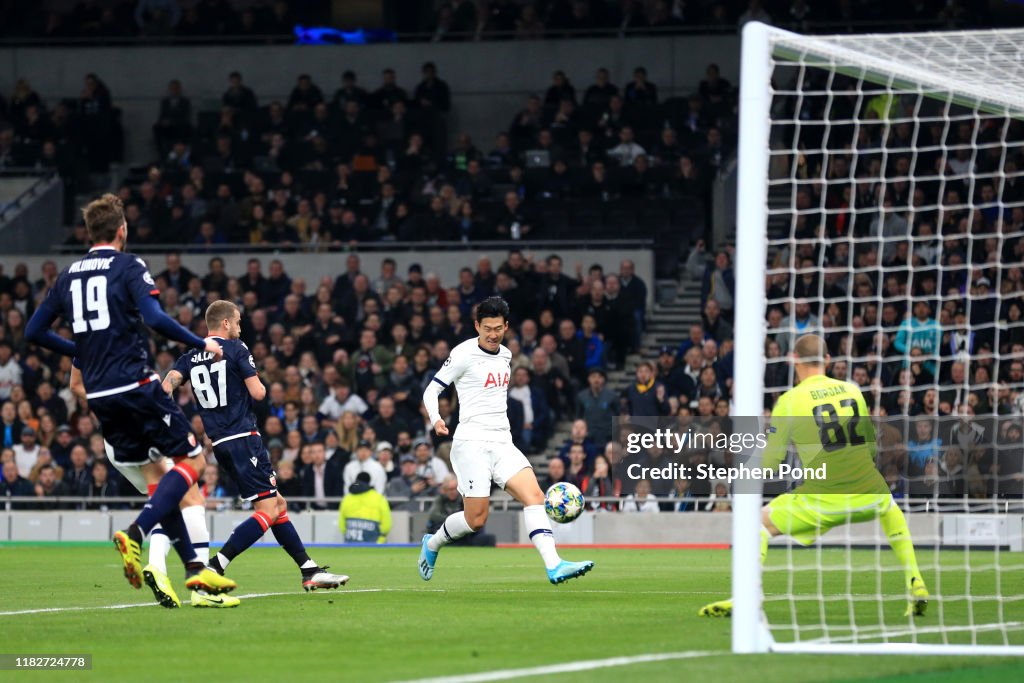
(492, 307)
(219, 311)
(103, 217)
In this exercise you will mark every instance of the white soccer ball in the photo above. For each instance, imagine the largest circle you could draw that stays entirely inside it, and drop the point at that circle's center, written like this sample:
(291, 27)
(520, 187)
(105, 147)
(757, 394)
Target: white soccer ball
(563, 502)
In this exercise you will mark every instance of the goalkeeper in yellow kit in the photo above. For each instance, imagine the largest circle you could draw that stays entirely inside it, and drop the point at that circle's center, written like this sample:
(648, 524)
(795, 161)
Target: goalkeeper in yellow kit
(829, 422)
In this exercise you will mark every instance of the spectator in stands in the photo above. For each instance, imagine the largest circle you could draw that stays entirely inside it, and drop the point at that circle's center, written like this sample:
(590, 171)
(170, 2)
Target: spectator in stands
(49, 486)
(432, 92)
(924, 445)
(641, 500)
(10, 377)
(597, 406)
(718, 283)
(407, 484)
(669, 373)
(579, 435)
(577, 472)
(388, 93)
(601, 483)
(922, 332)
(174, 124)
(429, 467)
(532, 402)
(26, 452)
(647, 396)
(13, 484)
(305, 96)
(556, 473)
(101, 484)
(560, 89)
(365, 462)
(634, 291)
(601, 91)
(45, 459)
(239, 96)
(640, 90)
(78, 476)
(715, 324)
(627, 151)
(321, 478)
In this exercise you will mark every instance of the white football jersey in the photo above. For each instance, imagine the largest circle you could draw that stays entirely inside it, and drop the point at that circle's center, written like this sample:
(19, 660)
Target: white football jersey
(481, 379)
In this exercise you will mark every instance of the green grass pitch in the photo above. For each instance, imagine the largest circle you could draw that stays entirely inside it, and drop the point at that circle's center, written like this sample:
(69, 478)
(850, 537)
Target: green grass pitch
(485, 610)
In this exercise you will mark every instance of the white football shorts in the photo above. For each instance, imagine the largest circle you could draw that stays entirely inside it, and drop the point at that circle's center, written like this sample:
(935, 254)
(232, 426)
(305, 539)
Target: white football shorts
(478, 463)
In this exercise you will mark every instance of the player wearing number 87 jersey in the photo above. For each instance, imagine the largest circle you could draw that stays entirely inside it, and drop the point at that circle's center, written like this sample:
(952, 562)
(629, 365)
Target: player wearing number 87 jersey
(106, 296)
(829, 423)
(225, 388)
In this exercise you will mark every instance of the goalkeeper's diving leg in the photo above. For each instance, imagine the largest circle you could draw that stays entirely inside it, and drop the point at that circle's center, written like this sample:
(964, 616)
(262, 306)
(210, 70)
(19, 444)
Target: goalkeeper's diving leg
(804, 526)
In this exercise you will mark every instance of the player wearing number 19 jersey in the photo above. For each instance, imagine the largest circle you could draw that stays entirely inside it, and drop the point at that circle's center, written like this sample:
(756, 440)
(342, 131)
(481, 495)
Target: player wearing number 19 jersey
(224, 388)
(106, 296)
(829, 423)
(482, 450)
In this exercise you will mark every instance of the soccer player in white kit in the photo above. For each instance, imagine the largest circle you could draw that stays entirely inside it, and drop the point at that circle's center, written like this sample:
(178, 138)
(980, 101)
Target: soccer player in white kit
(482, 450)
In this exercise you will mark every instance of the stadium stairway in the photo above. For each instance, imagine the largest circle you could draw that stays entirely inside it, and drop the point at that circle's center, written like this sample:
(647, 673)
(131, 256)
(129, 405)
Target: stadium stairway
(668, 323)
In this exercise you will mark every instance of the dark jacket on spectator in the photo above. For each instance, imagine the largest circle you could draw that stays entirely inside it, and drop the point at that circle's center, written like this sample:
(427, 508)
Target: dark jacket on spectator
(598, 410)
(334, 486)
(19, 487)
(646, 402)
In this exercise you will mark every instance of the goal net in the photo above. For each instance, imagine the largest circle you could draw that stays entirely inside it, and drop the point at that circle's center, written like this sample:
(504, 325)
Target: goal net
(881, 205)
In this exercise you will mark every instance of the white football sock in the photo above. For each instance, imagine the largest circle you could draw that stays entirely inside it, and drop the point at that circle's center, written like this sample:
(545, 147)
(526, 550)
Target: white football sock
(539, 526)
(195, 523)
(159, 546)
(223, 561)
(453, 528)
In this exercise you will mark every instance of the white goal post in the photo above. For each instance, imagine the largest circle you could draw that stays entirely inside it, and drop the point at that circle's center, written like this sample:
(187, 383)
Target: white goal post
(968, 84)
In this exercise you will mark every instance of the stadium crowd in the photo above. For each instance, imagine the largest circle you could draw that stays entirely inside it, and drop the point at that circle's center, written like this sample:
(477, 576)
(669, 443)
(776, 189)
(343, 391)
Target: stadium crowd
(345, 362)
(364, 165)
(905, 250)
(916, 289)
(445, 20)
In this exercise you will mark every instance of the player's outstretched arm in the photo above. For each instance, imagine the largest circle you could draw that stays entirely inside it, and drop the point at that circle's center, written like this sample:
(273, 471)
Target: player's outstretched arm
(154, 317)
(38, 330)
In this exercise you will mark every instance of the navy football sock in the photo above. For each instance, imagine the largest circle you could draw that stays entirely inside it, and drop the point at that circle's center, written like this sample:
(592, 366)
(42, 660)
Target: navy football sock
(288, 537)
(244, 535)
(172, 488)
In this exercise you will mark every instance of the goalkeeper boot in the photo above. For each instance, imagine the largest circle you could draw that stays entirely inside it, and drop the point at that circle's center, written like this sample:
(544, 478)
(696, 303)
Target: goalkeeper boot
(918, 603)
(210, 581)
(129, 544)
(201, 598)
(427, 559)
(722, 608)
(319, 577)
(569, 570)
(161, 586)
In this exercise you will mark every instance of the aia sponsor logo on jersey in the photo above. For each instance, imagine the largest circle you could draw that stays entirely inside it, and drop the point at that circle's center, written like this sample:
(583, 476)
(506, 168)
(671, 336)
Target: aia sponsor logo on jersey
(496, 379)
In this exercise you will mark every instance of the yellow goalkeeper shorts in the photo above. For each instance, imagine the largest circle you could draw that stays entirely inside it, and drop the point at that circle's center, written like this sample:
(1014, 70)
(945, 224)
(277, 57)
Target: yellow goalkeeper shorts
(804, 517)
